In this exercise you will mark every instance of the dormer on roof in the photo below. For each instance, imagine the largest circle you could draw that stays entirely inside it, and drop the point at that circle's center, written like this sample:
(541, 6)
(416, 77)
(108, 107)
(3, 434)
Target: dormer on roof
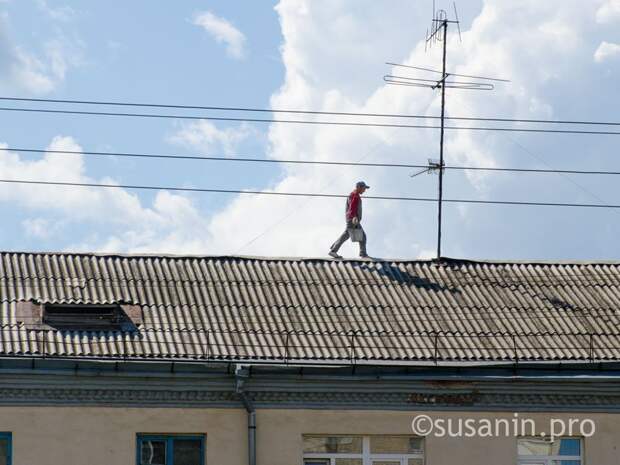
(79, 317)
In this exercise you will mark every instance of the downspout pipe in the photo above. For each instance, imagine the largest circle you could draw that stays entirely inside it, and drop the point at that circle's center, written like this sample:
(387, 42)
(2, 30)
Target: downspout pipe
(242, 373)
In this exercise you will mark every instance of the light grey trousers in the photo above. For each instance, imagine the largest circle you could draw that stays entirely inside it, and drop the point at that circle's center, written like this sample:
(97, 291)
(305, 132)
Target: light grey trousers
(346, 235)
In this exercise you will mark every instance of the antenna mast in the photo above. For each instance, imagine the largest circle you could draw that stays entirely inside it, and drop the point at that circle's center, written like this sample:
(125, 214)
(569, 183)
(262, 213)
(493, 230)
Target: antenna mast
(439, 33)
(444, 27)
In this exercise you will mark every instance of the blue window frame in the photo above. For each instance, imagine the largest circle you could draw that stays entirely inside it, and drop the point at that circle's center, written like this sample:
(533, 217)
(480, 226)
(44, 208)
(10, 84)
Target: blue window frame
(6, 451)
(164, 449)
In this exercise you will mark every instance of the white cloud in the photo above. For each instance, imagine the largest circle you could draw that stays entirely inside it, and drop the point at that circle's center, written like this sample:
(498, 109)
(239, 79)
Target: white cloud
(608, 12)
(171, 224)
(208, 138)
(23, 70)
(62, 13)
(27, 72)
(223, 31)
(40, 228)
(605, 51)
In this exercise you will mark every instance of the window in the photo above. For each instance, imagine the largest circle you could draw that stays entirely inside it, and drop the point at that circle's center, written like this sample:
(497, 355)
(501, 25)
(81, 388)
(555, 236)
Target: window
(87, 318)
(5, 448)
(536, 451)
(363, 450)
(171, 450)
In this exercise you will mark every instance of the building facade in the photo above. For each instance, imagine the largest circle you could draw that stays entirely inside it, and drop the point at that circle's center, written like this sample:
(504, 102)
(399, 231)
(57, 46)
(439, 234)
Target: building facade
(230, 360)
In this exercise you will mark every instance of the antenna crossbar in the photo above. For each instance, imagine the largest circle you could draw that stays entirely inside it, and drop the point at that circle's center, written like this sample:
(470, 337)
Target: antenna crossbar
(430, 70)
(434, 84)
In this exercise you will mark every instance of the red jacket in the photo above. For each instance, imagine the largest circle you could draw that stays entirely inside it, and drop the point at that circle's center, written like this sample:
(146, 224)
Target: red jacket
(354, 206)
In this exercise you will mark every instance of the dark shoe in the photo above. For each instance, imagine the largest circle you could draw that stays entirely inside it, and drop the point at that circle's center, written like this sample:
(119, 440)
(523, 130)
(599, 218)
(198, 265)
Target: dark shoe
(334, 254)
(364, 255)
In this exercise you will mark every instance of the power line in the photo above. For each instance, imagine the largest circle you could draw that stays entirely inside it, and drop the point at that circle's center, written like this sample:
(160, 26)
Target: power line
(563, 173)
(217, 108)
(325, 123)
(301, 162)
(530, 170)
(300, 194)
(211, 158)
(203, 190)
(312, 112)
(211, 118)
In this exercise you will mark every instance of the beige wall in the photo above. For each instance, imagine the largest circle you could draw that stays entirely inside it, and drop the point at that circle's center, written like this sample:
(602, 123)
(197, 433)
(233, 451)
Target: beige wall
(280, 431)
(106, 436)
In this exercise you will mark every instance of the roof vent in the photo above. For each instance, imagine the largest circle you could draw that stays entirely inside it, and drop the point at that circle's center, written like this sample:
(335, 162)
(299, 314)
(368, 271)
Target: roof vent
(88, 317)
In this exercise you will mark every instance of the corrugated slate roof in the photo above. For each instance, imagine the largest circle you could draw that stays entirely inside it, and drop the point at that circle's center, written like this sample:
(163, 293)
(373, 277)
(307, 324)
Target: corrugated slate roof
(231, 308)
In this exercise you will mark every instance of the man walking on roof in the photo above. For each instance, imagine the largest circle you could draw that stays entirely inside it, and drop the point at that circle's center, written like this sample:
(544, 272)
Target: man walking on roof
(353, 218)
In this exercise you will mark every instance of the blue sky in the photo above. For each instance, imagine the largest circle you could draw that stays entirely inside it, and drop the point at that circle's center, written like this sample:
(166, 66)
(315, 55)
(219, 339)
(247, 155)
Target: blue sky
(142, 51)
(563, 58)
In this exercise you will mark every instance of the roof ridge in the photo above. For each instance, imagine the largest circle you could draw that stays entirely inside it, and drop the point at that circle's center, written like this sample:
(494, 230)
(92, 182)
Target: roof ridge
(441, 261)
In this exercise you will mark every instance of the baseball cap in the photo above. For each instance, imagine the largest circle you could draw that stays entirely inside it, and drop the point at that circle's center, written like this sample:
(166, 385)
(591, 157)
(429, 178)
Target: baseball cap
(362, 184)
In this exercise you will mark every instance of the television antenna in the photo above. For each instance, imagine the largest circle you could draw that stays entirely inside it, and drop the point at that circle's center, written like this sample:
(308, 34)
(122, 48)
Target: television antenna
(438, 33)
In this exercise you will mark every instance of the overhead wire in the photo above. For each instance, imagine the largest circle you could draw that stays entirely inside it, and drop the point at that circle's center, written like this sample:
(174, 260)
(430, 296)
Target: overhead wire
(224, 158)
(530, 170)
(233, 158)
(312, 122)
(309, 112)
(301, 194)
(562, 173)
